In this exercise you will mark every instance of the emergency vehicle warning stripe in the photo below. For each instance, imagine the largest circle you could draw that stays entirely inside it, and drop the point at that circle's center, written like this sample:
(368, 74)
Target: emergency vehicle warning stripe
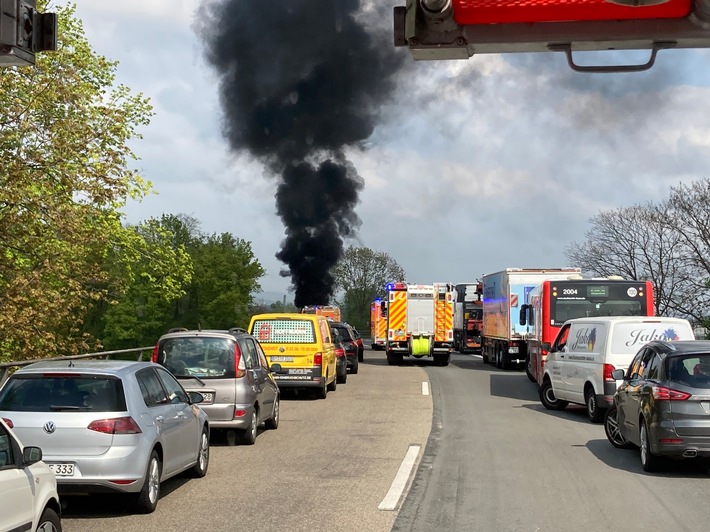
(444, 321)
(397, 315)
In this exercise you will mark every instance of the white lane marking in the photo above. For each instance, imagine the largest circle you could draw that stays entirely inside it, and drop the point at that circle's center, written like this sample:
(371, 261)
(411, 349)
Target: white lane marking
(425, 388)
(400, 480)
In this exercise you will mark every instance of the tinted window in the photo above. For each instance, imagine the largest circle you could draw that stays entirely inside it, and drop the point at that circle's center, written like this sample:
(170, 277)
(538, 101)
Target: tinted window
(251, 359)
(6, 457)
(286, 331)
(691, 370)
(48, 393)
(651, 369)
(152, 390)
(202, 357)
(176, 394)
(635, 368)
(262, 355)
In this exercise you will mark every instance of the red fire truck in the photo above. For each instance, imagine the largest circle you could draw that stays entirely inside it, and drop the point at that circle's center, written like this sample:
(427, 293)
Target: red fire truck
(552, 303)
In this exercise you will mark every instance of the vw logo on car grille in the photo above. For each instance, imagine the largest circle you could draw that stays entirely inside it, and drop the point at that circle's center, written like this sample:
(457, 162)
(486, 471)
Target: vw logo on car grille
(49, 427)
(282, 349)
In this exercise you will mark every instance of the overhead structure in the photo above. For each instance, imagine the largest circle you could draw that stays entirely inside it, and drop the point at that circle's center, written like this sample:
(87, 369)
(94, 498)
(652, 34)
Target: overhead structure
(458, 29)
(24, 32)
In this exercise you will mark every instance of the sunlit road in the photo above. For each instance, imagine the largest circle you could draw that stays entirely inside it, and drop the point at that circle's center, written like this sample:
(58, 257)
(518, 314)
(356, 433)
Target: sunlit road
(327, 467)
(498, 461)
(492, 460)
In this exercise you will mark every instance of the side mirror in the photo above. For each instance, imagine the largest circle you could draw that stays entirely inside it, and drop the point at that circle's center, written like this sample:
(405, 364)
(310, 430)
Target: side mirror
(195, 397)
(275, 368)
(617, 374)
(31, 455)
(545, 346)
(523, 314)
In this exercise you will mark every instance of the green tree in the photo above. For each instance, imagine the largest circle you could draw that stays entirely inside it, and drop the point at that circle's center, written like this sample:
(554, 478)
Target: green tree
(64, 133)
(362, 275)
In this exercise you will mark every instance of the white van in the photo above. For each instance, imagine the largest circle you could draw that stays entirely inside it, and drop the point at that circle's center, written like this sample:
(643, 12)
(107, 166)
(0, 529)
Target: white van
(586, 351)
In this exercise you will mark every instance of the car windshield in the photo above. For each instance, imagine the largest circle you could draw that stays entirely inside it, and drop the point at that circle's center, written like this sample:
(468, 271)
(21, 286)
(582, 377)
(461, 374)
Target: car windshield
(198, 357)
(52, 393)
(691, 370)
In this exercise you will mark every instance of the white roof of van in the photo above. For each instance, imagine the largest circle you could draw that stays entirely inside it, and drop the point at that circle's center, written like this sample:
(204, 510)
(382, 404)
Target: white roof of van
(645, 319)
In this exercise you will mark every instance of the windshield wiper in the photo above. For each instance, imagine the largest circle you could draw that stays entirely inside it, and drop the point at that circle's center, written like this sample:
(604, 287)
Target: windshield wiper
(57, 408)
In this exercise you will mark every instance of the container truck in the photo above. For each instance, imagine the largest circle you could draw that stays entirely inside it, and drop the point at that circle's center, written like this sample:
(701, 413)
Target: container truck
(504, 340)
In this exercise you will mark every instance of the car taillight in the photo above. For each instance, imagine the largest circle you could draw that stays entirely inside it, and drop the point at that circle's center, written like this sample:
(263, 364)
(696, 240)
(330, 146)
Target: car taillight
(239, 413)
(154, 358)
(8, 422)
(119, 425)
(318, 359)
(608, 368)
(340, 352)
(239, 368)
(543, 358)
(661, 393)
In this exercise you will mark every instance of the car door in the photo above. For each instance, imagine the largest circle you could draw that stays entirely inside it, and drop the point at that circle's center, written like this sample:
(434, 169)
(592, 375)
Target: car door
(628, 421)
(269, 388)
(640, 386)
(163, 416)
(556, 362)
(16, 502)
(189, 429)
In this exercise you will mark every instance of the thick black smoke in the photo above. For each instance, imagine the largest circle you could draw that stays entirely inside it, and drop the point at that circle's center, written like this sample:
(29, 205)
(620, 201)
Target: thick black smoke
(301, 81)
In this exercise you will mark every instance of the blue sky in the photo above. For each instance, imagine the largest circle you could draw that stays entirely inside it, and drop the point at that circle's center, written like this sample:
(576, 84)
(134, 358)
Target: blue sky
(478, 165)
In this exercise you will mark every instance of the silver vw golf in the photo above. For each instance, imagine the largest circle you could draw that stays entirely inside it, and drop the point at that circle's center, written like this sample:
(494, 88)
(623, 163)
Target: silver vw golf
(108, 426)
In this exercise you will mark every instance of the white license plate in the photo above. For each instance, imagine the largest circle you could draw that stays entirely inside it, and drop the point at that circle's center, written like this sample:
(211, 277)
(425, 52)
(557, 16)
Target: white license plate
(297, 371)
(281, 359)
(512, 349)
(62, 470)
(207, 397)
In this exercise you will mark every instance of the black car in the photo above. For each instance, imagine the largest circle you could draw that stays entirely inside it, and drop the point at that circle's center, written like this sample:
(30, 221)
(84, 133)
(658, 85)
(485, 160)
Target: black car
(349, 340)
(663, 403)
(341, 359)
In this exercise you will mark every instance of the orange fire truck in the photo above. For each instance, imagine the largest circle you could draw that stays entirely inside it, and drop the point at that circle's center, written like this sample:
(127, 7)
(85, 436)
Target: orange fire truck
(329, 311)
(419, 322)
(378, 324)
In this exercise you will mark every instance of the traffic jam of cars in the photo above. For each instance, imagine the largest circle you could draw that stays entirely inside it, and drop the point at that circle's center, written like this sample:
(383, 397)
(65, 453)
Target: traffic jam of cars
(124, 427)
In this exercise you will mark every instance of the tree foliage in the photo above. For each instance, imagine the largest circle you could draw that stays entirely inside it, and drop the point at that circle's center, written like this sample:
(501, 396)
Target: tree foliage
(666, 242)
(64, 132)
(362, 275)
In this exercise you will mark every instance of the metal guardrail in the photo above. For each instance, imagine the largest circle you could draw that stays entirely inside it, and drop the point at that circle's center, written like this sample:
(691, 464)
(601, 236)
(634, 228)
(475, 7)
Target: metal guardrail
(7, 366)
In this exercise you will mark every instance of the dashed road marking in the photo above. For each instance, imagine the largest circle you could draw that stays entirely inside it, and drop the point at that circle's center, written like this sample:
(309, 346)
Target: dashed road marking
(425, 388)
(400, 480)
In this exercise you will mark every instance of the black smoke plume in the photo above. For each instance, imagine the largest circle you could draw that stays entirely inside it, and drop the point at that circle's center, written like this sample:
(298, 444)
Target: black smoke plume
(301, 81)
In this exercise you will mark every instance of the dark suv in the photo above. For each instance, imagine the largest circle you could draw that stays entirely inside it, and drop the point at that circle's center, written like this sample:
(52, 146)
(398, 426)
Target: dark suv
(349, 339)
(231, 372)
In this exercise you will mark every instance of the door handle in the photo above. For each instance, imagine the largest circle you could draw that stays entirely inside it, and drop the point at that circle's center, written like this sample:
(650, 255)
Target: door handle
(159, 419)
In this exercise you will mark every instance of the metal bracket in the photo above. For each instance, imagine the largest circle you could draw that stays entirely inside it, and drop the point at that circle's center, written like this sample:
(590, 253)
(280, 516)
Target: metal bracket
(567, 49)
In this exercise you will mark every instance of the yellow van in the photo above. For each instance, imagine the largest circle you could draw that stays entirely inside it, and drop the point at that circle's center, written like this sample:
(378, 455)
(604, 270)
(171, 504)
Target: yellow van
(300, 350)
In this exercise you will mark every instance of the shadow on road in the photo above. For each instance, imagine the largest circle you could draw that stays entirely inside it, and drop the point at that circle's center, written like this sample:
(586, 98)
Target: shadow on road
(577, 413)
(512, 386)
(628, 460)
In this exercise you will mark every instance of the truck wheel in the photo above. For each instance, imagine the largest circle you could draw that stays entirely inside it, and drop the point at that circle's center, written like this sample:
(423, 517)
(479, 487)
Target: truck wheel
(390, 359)
(548, 399)
(485, 358)
(499, 364)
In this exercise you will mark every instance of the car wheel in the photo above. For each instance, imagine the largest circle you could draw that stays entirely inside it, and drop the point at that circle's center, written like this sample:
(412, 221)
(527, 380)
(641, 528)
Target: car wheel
(148, 497)
(548, 399)
(528, 372)
(613, 432)
(333, 384)
(360, 356)
(248, 435)
(322, 392)
(342, 379)
(49, 522)
(355, 367)
(273, 422)
(594, 413)
(199, 470)
(649, 461)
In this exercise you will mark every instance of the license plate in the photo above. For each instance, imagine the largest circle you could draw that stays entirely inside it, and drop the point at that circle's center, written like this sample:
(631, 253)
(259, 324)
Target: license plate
(297, 372)
(207, 397)
(62, 470)
(281, 359)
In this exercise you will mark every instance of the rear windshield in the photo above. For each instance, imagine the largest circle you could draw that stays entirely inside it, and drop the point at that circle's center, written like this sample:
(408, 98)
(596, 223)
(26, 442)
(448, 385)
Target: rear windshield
(286, 331)
(198, 357)
(54, 393)
(691, 370)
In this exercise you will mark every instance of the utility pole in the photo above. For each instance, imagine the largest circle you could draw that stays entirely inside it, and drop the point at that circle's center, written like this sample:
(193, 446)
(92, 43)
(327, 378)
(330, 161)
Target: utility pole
(24, 32)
